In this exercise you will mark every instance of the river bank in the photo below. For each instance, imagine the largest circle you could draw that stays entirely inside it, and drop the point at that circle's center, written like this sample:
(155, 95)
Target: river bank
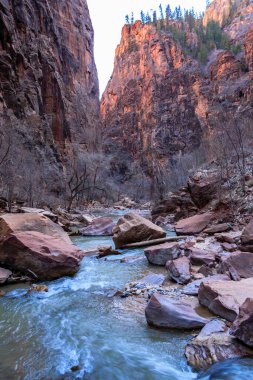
(77, 330)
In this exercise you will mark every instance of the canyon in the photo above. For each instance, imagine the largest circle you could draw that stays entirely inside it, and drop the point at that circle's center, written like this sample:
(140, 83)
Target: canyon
(160, 118)
(144, 199)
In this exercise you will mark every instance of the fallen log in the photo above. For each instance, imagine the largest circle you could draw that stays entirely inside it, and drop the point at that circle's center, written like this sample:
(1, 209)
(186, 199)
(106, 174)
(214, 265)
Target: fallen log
(147, 243)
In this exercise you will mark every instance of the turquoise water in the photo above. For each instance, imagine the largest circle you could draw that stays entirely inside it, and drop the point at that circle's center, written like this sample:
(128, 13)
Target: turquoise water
(77, 323)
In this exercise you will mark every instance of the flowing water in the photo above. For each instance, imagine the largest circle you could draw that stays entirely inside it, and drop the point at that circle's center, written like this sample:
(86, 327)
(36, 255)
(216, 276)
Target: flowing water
(78, 323)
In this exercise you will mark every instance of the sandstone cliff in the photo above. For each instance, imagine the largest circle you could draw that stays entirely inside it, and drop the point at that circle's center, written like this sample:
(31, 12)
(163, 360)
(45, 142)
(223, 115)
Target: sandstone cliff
(161, 107)
(49, 97)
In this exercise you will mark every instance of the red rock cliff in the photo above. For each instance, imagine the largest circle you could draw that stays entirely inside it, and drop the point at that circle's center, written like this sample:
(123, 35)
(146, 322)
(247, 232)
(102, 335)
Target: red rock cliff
(161, 107)
(49, 97)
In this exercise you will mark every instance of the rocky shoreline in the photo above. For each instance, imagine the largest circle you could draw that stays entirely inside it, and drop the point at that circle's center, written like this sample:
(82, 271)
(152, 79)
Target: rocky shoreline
(208, 282)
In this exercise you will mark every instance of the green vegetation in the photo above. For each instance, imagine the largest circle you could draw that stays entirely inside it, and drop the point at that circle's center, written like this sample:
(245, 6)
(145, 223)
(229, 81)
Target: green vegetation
(186, 27)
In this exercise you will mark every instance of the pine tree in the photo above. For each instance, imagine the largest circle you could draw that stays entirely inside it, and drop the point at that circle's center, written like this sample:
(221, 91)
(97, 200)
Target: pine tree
(148, 18)
(132, 18)
(161, 12)
(168, 12)
(154, 17)
(143, 19)
(179, 12)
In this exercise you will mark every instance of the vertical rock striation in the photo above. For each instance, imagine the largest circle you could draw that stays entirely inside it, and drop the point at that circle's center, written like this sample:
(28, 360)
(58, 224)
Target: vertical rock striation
(49, 96)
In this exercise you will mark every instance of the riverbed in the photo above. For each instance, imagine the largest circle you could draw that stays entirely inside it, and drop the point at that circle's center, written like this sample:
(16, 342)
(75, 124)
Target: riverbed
(79, 331)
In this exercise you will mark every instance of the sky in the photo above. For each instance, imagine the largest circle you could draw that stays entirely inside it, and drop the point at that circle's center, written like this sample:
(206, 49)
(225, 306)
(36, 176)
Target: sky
(108, 17)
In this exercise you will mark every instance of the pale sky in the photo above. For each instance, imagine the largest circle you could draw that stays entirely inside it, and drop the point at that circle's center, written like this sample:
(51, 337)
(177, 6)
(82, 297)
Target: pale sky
(108, 17)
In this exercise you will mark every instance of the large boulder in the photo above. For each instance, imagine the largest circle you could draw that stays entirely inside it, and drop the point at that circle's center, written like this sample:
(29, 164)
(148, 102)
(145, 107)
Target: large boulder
(132, 228)
(161, 253)
(243, 325)
(214, 344)
(45, 256)
(238, 265)
(12, 223)
(194, 225)
(179, 270)
(224, 298)
(165, 312)
(203, 187)
(99, 227)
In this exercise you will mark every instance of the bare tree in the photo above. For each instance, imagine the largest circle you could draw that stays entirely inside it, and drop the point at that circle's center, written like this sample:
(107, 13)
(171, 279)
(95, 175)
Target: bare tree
(76, 184)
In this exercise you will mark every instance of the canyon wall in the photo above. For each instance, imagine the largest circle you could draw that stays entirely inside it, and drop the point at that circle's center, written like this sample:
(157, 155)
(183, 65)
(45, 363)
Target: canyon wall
(161, 108)
(49, 95)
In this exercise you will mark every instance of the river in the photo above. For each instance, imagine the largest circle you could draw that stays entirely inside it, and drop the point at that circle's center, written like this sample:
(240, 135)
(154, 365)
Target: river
(78, 324)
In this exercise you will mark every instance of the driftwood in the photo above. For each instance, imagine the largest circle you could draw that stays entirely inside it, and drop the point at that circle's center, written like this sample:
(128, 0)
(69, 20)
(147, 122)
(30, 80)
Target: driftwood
(153, 242)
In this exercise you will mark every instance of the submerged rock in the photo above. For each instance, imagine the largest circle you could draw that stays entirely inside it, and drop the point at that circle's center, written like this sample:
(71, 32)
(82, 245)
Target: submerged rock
(107, 250)
(38, 288)
(132, 228)
(152, 279)
(214, 344)
(165, 312)
(160, 254)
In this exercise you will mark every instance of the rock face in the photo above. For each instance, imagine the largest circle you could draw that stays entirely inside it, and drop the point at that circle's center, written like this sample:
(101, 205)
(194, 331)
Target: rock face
(162, 108)
(99, 227)
(46, 256)
(49, 97)
(132, 228)
(212, 345)
(160, 254)
(165, 312)
(243, 325)
(224, 298)
(10, 223)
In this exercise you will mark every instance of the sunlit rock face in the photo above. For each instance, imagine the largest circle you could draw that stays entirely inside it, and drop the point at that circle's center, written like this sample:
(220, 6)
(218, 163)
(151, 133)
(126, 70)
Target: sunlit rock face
(49, 97)
(161, 108)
